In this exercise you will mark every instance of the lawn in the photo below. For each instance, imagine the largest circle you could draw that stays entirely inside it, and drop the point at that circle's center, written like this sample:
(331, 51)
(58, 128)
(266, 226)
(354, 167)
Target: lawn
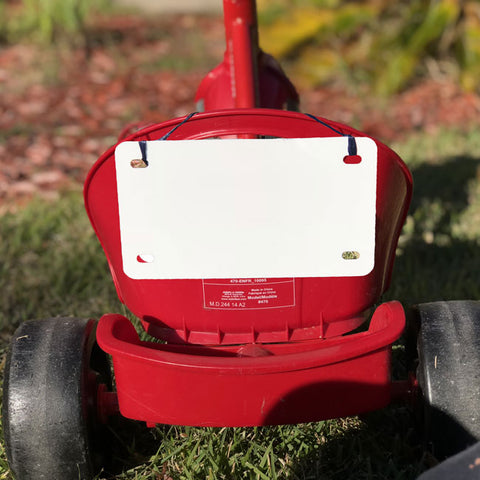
(51, 264)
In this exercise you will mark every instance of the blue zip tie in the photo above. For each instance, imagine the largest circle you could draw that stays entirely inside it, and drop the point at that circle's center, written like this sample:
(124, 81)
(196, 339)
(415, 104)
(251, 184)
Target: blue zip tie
(352, 144)
(143, 144)
(186, 119)
(143, 148)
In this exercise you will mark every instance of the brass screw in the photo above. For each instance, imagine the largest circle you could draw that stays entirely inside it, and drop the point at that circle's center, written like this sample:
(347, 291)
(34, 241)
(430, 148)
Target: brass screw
(138, 163)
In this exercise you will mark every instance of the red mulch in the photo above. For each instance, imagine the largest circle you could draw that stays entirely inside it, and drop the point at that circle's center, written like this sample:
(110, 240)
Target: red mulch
(60, 109)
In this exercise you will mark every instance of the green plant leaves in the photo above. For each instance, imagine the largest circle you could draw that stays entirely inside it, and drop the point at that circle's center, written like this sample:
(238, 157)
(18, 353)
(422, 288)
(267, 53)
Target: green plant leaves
(288, 32)
(47, 21)
(435, 22)
(470, 52)
(303, 24)
(386, 44)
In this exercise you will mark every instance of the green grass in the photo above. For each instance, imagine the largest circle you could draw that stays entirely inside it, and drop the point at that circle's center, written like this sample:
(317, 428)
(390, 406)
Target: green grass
(51, 264)
(439, 256)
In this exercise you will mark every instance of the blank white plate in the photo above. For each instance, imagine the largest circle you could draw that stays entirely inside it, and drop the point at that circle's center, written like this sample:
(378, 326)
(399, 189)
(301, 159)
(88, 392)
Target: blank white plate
(247, 208)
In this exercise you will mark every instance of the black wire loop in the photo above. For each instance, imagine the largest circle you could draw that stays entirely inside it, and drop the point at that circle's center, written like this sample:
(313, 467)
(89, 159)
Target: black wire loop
(143, 144)
(352, 144)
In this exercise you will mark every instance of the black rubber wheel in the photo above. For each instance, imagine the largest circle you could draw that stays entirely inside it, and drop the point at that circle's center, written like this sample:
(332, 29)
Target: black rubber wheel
(49, 400)
(449, 374)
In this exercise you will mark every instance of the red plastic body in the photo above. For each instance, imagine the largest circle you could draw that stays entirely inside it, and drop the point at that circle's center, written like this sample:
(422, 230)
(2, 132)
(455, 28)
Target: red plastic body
(279, 384)
(249, 361)
(291, 365)
(247, 77)
(306, 308)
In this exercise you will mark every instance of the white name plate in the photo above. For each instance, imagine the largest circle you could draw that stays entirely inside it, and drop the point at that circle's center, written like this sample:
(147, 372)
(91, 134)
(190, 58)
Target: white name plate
(247, 208)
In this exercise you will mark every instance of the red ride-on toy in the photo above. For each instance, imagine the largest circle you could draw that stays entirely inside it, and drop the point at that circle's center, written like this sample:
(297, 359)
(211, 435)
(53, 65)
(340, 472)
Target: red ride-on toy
(255, 258)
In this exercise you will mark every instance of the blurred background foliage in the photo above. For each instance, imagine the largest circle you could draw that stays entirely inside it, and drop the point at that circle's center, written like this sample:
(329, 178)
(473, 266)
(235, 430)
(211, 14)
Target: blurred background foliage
(385, 44)
(377, 43)
(47, 22)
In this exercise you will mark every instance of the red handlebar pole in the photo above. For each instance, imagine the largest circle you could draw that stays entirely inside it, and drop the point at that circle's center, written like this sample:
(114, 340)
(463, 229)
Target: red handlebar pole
(241, 33)
(247, 77)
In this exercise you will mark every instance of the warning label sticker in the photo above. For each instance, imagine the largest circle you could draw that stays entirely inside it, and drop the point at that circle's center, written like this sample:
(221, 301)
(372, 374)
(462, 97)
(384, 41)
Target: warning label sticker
(248, 293)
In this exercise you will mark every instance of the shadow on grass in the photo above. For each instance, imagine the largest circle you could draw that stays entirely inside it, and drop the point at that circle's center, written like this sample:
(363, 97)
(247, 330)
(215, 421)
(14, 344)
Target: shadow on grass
(131, 444)
(445, 182)
(435, 262)
(383, 445)
(427, 273)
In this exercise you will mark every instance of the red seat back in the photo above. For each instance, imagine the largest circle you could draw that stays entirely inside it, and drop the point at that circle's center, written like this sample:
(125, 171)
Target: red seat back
(303, 308)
